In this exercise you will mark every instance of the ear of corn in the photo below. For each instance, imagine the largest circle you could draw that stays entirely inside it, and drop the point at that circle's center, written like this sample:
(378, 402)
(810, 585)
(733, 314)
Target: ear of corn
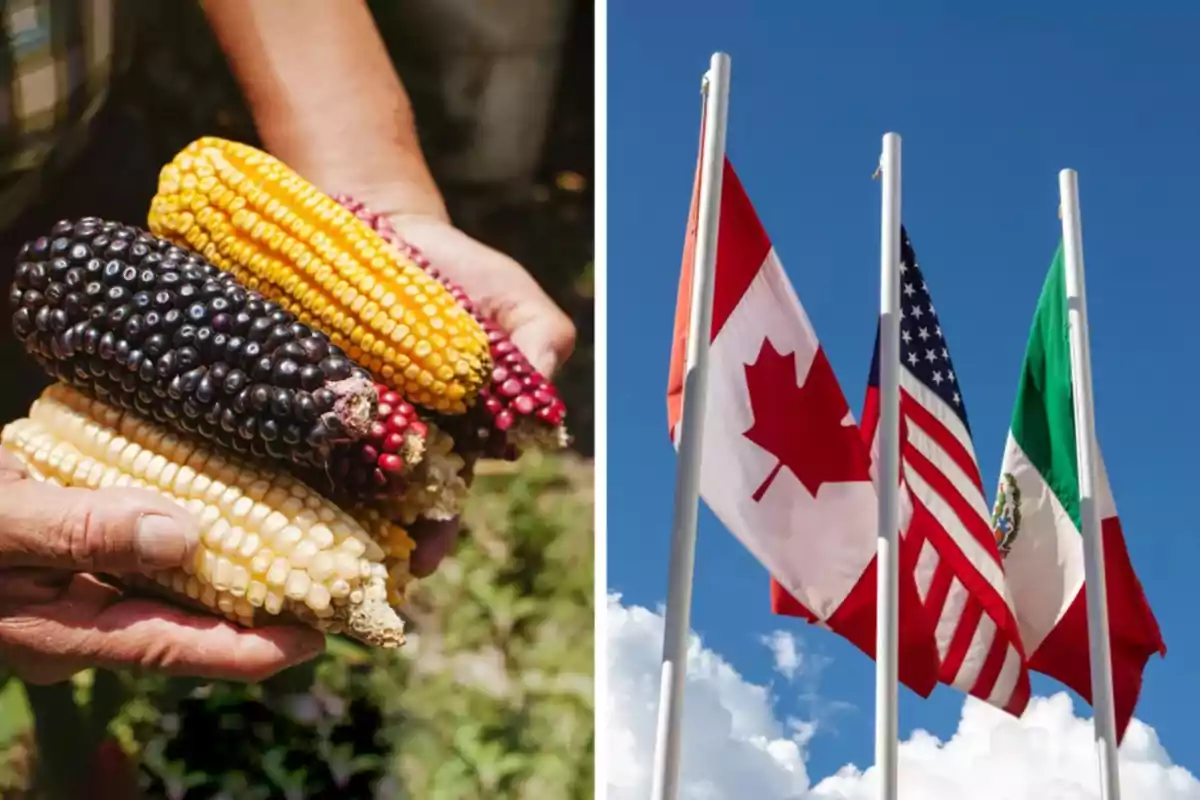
(152, 328)
(378, 463)
(270, 545)
(435, 489)
(253, 216)
(518, 408)
(397, 548)
(409, 467)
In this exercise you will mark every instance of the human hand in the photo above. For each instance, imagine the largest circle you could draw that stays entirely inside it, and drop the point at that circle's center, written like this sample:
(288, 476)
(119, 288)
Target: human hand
(327, 102)
(502, 289)
(503, 292)
(58, 618)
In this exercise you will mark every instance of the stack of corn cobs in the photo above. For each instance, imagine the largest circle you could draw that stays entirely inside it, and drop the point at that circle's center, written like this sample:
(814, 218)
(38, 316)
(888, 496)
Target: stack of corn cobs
(281, 364)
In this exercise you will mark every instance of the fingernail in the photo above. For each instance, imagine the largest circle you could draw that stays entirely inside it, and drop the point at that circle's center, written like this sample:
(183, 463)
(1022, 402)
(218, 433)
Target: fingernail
(161, 541)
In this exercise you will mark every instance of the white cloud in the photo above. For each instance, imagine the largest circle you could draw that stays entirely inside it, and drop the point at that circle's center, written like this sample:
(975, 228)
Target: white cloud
(735, 745)
(1049, 753)
(787, 654)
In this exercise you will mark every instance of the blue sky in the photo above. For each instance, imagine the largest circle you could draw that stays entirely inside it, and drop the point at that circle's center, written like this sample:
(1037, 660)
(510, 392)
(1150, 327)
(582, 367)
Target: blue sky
(990, 108)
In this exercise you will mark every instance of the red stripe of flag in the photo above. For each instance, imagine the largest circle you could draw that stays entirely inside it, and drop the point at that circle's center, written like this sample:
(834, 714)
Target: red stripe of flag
(948, 551)
(982, 598)
(928, 422)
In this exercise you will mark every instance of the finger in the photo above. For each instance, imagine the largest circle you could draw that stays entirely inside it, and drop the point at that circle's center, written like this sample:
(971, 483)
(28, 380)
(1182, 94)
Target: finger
(112, 530)
(11, 467)
(155, 635)
(435, 539)
(504, 290)
(21, 587)
(542, 332)
(89, 629)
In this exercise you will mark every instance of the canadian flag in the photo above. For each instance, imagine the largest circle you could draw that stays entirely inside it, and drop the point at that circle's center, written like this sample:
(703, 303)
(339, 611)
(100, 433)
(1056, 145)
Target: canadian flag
(783, 464)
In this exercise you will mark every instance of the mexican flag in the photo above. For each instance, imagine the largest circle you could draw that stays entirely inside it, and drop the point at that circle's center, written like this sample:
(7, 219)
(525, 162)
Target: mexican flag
(1037, 525)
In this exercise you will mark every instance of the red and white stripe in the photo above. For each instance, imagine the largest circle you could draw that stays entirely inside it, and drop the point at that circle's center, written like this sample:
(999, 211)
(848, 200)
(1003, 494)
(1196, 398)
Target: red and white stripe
(959, 575)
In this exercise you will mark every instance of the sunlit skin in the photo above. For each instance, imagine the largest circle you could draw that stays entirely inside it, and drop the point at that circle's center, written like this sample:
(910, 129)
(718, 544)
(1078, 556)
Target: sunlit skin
(58, 617)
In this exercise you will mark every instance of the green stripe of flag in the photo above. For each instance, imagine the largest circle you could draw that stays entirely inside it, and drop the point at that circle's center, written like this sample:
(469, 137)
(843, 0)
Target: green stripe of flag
(1044, 417)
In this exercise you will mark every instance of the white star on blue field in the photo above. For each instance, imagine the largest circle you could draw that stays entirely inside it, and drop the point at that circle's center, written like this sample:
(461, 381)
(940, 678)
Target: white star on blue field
(990, 108)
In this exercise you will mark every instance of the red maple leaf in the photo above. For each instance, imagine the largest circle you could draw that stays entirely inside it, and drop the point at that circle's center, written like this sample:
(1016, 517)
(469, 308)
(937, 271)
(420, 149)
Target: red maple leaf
(801, 425)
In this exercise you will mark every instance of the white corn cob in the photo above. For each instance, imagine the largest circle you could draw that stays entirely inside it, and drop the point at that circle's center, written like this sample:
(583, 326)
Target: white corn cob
(269, 544)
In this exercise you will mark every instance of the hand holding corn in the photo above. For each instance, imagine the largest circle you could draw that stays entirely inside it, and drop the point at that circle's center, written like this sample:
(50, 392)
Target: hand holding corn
(58, 616)
(284, 368)
(500, 288)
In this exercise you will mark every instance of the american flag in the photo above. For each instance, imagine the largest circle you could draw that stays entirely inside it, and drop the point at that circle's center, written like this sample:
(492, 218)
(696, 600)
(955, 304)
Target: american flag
(959, 574)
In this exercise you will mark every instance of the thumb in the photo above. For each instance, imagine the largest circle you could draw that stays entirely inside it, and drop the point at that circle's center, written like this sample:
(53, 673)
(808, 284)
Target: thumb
(104, 530)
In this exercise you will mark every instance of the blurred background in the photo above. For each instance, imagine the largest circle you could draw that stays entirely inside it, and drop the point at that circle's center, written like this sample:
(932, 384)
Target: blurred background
(492, 697)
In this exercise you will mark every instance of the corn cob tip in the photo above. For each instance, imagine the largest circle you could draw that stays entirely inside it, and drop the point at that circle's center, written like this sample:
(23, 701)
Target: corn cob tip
(370, 620)
(413, 449)
(374, 464)
(429, 481)
(354, 406)
(375, 622)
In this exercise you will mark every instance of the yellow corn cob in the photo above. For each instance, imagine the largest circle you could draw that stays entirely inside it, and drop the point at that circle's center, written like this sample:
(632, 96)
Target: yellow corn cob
(269, 544)
(251, 215)
(397, 548)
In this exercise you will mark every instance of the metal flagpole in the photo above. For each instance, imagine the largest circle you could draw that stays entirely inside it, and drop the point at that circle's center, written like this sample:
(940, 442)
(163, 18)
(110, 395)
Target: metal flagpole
(690, 442)
(887, 626)
(1085, 449)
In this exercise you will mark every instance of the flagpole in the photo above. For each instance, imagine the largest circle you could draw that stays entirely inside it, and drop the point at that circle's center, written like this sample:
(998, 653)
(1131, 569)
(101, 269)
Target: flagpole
(887, 626)
(690, 436)
(1085, 448)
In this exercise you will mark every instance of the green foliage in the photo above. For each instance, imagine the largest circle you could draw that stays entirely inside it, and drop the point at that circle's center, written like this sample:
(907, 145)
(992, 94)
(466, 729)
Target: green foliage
(16, 729)
(506, 648)
(492, 698)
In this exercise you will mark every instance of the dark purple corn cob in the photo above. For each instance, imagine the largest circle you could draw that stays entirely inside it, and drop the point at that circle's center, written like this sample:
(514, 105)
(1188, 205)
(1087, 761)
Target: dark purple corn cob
(520, 408)
(153, 328)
